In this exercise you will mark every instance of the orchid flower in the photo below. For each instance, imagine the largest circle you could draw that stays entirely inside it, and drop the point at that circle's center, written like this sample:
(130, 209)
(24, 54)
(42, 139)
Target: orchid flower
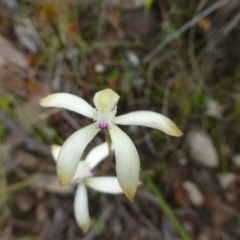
(84, 177)
(127, 159)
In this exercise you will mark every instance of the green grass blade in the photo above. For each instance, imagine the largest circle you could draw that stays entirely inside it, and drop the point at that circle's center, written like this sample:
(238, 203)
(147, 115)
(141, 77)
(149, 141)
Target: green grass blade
(165, 207)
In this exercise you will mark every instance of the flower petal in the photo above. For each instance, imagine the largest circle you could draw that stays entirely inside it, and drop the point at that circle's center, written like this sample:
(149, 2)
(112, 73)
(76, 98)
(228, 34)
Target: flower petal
(149, 119)
(68, 101)
(104, 184)
(55, 150)
(97, 154)
(71, 152)
(127, 161)
(83, 168)
(81, 211)
(83, 171)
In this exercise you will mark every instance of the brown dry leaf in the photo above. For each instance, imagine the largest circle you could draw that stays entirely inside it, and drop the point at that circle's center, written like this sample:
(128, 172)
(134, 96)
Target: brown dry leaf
(180, 196)
(49, 12)
(13, 84)
(205, 24)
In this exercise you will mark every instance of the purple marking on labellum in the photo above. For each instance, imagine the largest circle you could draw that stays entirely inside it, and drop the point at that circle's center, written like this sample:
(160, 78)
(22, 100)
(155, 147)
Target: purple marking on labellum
(103, 126)
(90, 171)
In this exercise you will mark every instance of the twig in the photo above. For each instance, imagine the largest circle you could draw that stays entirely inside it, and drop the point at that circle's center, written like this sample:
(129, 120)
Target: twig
(103, 217)
(184, 28)
(31, 144)
(193, 59)
(224, 31)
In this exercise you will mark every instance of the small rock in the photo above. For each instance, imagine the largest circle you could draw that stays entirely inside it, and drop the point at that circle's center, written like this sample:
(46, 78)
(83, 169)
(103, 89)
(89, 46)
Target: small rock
(133, 58)
(182, 161)
(236, 160)
(194, 194)
(99, 68)
(202, 149)
(227, 179)
(214, 109)
(203, 236)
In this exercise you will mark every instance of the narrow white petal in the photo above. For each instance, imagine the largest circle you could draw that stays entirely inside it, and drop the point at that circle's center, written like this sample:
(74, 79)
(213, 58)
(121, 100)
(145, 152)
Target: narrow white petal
(83, 171)
(71, 152)
(68, 101)
(97, 154)
(127, 161)
(104, 184)
(81, 211)
(83, 168)
(149, 119)
(55, 150)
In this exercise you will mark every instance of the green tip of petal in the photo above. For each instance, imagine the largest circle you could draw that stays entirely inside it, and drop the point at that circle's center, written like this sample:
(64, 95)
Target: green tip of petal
(172, 128)
(176, 132)
(43, 102)
(85, 228)
(63, 179)
(130, 195)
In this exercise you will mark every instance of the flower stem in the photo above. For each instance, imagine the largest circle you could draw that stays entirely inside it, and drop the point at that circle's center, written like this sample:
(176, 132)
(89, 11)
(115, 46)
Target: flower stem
(165, 207)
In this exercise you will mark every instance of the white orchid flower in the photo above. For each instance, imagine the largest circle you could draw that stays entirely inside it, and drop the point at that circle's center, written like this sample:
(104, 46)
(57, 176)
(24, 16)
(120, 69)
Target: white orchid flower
(84, 177)
(127, 159)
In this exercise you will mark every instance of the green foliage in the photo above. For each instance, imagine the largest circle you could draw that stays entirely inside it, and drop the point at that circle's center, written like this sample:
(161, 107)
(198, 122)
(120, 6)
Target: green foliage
(99, 226)
(5, 104)
(28, 238)
(148, 4)
(165, 206)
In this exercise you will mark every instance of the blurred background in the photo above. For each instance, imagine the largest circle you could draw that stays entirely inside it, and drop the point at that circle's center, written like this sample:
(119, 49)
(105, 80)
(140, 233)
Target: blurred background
(179, 58)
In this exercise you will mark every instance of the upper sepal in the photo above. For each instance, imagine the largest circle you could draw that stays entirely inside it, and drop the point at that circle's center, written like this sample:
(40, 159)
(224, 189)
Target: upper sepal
(105, 100)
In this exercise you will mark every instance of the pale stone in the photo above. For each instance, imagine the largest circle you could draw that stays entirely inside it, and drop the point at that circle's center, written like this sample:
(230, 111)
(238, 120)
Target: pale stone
(194, 193)
(226, 179)
(202, 148)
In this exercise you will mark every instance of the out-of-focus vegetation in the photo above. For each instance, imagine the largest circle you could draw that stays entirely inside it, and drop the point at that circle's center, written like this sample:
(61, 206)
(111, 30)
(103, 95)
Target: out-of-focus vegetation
(179, 58)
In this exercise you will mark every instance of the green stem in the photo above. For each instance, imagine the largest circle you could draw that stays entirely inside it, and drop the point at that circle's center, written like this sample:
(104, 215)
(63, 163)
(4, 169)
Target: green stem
(165, 207)
(18, 186)
(3, 182)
